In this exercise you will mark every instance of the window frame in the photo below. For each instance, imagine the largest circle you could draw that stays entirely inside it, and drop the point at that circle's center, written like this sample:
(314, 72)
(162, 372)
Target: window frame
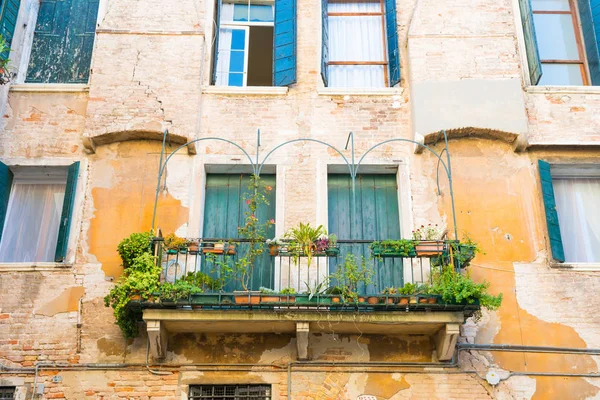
(267, 387)
(23, 42)
(246, 29)
(76, 214)
(382, 14)
(582, 61)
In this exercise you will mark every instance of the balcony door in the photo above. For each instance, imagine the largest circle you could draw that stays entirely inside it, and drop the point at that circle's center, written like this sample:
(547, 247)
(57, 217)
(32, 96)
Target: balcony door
(225, 210)
(376, 217)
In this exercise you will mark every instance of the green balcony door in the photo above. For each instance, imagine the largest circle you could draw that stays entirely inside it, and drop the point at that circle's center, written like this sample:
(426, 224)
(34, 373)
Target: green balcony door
(224, 212)
(376, 217)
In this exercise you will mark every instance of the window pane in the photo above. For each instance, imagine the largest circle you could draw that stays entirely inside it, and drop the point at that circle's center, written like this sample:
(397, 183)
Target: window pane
(556, 36)
(238, 39)
(364, 6)
(32, 221)
(550, 5)
(236, 79)
(237, 61)
(561, 74)
(356, 39)
(240, 12)
(261, 13)
(356, 76)
(579, 218)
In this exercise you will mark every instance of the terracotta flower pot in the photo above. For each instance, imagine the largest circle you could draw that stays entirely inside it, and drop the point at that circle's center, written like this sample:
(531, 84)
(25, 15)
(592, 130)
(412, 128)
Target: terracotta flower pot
(432, 300)
(373, 300)
(335, 299)
(269, 299)
(429, 248)
(423, 300)
(274, 250)
(361, 299)
(403, 300)
(246, 298)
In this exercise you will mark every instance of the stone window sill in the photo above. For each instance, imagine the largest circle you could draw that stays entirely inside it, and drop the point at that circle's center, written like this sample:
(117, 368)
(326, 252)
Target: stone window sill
(576, 266)
(563, 89)
(50, 87)
(247, 90)
(36, 266)
(331, 91)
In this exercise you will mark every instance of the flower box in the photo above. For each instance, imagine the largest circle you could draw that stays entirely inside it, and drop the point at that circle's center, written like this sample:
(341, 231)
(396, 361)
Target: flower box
(429, 248)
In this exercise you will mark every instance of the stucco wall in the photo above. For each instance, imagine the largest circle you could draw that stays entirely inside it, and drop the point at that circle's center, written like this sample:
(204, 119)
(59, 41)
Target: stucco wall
(150, 62)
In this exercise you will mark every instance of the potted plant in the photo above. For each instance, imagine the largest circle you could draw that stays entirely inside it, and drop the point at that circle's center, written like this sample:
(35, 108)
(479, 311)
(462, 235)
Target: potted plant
(209, 288)
(315, 292)
(177, 293)
(302, 241)
(387, 292)
(332, 250)
(408, 292)
(268, 295)
(393, 248)
(288, 294)
(273, 245)
(321, 244)
(456, 288)
(428, 241)
(349, 275)
(193, 246)
(174, 243)
(337, 293)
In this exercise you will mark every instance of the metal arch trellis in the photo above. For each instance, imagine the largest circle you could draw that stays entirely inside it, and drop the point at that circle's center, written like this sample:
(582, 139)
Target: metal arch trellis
(352, 166)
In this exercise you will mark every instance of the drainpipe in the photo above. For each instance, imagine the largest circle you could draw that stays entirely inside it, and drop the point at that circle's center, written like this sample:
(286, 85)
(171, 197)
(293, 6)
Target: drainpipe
(526, 349)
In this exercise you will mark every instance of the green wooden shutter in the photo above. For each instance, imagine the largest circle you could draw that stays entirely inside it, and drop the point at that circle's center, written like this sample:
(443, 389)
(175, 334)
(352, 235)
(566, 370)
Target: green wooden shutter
(284, 43)
(589, 15)
(63, 41)
(67, 213)
(224, 212)
(82, 32)
(6, 178)
(324, 42)
(9, 11)
(531, 47)
(216, 40)
(556, 245)
(392, 41)
(377, 217)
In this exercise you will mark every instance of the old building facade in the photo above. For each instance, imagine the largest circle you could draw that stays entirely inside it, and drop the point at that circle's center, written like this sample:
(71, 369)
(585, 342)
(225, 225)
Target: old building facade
(98, 83)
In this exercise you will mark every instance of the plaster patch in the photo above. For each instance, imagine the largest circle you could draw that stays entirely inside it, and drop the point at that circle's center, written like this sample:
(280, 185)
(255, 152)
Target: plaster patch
(67, 301)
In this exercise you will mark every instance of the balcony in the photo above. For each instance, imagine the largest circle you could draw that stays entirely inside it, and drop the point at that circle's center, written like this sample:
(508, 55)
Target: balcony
(356, 286)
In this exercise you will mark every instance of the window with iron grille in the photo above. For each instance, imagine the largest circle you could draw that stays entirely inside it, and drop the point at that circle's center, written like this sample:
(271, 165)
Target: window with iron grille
(7, 392)
(230, 392)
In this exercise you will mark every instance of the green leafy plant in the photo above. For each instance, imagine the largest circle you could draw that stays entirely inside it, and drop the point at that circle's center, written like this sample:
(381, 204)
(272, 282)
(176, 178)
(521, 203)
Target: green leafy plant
(408, 289)
(288, 290)
(303, 238)
(174, 242)
(402, 247)
(5, 74)
(317, 289)
(178, 290)
(458, 288)
(389, 291)
(349, 275)
(333, 240)
(203, 281)
(253, 229)
(141, 278)
(134, 246)
(264, 290)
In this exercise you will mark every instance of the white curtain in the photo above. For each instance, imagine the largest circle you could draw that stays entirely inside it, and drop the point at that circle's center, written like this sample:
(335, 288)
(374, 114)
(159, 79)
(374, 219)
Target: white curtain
(578, 206)
(224, 51)
(32, 221)
(356, 39)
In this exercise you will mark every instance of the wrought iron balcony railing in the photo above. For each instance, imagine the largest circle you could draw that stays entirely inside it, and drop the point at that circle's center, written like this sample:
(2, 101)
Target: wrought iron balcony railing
(353, 274)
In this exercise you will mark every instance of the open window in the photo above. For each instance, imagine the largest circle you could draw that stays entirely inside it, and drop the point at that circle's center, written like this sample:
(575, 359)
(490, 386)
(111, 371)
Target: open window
(255, 43)
(36, 206)
(571, 195)
(561, 40)
(360, 43)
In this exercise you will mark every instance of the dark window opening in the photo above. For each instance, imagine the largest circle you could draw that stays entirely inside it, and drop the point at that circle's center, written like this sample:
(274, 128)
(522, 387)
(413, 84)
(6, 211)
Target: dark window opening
(7, 392)
(230, 392)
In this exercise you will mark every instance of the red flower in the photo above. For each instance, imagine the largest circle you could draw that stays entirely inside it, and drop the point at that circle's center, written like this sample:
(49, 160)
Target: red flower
(269, 188)
(248, 201)
(272, 221)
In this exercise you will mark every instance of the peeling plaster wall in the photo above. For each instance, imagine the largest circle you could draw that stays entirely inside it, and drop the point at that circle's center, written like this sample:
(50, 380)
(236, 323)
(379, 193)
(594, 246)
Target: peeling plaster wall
(150, 61)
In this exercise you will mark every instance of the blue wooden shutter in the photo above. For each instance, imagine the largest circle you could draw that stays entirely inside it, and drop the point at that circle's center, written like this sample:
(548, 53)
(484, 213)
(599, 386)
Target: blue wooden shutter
(284, 43)
(376, 217)
(324, 42)
(216, 40)
(589, 15)
(556, 245)
(9, 10)
(67, 213)
(531, 47)
(6, 178)
(224, 212)
(63, 41)
(392, 41)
